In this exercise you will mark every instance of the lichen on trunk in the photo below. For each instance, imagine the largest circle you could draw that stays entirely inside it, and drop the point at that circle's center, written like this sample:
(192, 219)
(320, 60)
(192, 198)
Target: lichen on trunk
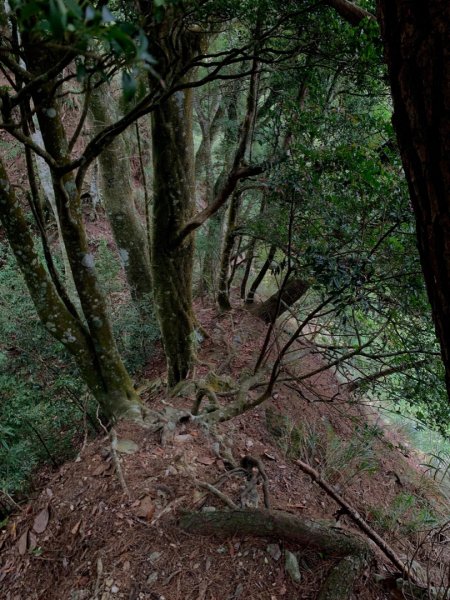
(118, 197)
(172, 206)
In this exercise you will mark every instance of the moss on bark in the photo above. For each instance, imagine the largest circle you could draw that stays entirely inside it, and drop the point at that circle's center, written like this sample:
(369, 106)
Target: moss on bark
(118, 193)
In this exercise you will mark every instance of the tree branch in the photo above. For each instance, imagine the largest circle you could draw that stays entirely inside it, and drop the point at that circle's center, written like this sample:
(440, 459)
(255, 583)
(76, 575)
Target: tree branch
(349, 11)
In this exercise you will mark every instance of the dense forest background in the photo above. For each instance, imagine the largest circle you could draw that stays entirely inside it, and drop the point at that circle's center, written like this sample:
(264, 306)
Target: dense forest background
(162, 158)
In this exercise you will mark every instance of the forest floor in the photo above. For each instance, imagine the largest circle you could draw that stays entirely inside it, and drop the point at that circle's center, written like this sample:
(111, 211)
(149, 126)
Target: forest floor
(83, 537)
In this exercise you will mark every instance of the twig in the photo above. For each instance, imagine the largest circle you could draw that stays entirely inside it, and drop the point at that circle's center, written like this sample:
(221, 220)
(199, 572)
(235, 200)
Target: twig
(12, 502)
(213, 490)
(357, 518)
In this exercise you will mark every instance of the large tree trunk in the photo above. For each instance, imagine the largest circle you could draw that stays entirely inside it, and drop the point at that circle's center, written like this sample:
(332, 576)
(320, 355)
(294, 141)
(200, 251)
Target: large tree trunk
(118, 193)
(119, 395)
(173, 45)
(172, 207)
(417, 48)
(275, 306)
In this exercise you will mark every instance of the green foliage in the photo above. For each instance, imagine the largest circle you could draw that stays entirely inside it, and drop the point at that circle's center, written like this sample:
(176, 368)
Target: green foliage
(135, 327)
(114, 32)
(338, 460)
(44, 408)
(41, 408)
(406, 514)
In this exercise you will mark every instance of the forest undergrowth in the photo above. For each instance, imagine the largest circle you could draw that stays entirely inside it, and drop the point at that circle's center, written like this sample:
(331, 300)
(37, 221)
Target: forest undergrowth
(92, 531)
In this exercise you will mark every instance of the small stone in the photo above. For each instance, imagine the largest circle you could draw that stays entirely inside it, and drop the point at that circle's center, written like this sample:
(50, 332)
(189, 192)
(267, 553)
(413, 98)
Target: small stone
(291, 566)
(114, 589)
(152, 578)
(183, 438)
(209, 509)
(154, 557)
(274, 551)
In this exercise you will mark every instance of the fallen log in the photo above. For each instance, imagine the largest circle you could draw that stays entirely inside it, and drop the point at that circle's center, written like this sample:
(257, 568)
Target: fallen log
(320, 535)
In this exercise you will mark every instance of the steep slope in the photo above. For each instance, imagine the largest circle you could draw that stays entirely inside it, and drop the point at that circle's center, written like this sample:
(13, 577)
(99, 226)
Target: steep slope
(96, 531)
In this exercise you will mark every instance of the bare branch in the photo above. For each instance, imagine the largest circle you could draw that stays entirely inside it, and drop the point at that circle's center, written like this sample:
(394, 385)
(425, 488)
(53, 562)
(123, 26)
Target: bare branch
(349, 11)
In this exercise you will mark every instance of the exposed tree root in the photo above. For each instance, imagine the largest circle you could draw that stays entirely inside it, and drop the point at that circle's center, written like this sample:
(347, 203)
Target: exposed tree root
(318, 535)
(314, 534)
(342, 577)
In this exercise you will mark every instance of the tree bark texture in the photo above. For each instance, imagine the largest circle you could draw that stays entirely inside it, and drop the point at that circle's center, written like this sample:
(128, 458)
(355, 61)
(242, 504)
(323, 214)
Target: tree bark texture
(417, 49)
(223, 295)
(173, 197)
(312, 534)
(53, 313)
(172, 206)
(119, 395)
(274, 307)
(116, 185)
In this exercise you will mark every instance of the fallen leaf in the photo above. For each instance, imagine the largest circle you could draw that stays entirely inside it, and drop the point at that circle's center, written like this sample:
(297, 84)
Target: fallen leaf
(23, 543)
(41, 521)
(33, 542)
(75, 528)
(101, 469)
(269, 456)
(206, 460)
(146, 509)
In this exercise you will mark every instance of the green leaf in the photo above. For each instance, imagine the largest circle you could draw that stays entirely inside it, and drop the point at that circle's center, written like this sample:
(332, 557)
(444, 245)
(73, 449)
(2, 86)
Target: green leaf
(129, 86)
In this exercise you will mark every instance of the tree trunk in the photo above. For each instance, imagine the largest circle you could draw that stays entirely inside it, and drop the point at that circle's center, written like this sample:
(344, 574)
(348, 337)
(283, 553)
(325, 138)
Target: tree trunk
(258, 279)
(117, 398)
(248, 267)
(119, 395)
(173, 204)
(291, 293)
(116, 185)
(417, 49)
(223, 296)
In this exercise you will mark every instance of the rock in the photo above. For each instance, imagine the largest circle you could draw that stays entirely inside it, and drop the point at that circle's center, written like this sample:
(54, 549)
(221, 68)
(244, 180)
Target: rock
(183, 438)
(152, 578)
(209, 509)
(114, 589)
(274, 551)
(126, 446)
(154, 557)
(291, 566)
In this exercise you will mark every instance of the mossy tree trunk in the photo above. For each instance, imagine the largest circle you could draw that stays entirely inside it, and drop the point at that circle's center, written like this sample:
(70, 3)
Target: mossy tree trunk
(118, 198)
(173, 45)
(203, 162)
(118, 395)
(114, 392)
(173, 203)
